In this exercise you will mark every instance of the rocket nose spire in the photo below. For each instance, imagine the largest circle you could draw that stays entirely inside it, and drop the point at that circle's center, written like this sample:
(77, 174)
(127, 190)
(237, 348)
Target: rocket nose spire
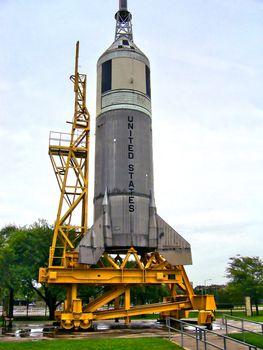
(123, 21)
(123, 5)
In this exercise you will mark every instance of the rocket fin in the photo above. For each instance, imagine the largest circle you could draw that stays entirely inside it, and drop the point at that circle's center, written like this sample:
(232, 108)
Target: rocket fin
(152, 200)
(107, 232)
(173, 247)
(105, 201)
(91, 247)
(153, 228)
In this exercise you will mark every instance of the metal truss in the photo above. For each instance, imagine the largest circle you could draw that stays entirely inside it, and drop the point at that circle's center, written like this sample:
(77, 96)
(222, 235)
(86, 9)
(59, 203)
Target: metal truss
(114, 272)
(123, 25)
(69, 155)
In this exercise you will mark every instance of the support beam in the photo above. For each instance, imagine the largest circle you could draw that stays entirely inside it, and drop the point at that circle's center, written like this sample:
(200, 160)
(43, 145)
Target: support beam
(105, 299)
(108, 276)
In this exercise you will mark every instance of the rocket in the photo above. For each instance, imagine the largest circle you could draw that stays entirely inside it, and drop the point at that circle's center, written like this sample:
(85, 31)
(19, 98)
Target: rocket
(125, 213)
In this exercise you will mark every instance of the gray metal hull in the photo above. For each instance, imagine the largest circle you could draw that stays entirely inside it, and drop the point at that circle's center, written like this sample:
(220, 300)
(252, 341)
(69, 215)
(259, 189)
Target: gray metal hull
(124, 169)
(124, 208)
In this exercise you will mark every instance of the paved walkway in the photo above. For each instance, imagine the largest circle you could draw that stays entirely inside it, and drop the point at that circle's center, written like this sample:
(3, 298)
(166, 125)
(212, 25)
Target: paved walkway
(191, 343)
(137, 329)
(107, 329)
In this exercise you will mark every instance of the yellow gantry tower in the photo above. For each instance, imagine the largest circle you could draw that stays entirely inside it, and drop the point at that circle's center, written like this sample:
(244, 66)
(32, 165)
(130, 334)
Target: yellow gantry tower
(69, 155)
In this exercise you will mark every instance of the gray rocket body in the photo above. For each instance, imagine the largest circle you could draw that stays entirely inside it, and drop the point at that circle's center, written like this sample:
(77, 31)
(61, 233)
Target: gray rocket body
(124, 206)
(124, 174)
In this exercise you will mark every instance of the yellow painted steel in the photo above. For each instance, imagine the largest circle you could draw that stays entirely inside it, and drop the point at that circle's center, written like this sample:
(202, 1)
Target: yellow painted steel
(150, 269)
(69, 155)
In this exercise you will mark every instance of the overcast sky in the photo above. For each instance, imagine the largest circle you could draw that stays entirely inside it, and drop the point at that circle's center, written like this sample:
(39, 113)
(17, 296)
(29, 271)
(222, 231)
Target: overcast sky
(207, 94)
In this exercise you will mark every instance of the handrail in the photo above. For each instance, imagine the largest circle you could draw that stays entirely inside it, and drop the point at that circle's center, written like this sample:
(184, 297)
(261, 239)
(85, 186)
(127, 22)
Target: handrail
(201, 335)
(57, 138)
(225, 316)
(241, 328)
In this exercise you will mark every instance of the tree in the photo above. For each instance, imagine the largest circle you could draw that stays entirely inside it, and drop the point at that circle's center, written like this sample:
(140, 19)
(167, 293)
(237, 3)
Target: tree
(148, 294)
(22, 252)
(8, 282)
(246, 278)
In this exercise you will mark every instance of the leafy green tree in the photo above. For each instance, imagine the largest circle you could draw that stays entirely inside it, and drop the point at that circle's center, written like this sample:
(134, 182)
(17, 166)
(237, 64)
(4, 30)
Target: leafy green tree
(148, 294)
(246, 278)
(8, 282)
(22, 252)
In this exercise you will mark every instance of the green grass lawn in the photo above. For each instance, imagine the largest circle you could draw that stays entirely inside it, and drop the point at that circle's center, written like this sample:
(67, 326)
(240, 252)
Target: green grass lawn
(250, 338)
(94, 344)
(240, 314)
